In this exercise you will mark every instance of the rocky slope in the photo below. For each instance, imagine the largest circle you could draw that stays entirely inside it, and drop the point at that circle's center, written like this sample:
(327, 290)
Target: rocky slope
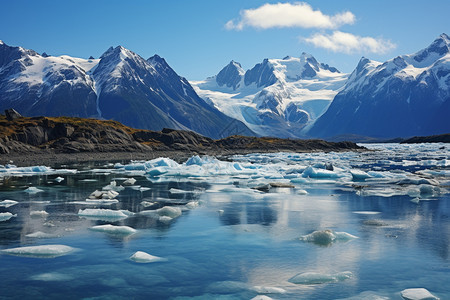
(38, 135)
(120, 85)
(402, 97)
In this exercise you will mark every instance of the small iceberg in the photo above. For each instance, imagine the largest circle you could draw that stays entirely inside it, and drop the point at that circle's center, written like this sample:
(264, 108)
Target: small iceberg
(7, 203)
(33, 190)
(39, 214)
(43, 251)
(319, 173)
(327, 237)
(104, 213)
(261, 297)
(6, 216)
(112, 229)
(41, 235)
(359, 175)
(58, 179)
(143, 257)
(107, 194)
(129, 181)
(319, 278)
(169, 211)
(418, 294)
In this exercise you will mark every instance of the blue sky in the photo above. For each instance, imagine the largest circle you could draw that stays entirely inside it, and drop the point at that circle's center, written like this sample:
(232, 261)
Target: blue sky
(199, 37)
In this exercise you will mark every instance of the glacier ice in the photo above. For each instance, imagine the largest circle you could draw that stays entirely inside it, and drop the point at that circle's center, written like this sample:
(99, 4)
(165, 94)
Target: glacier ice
(41, 235)
(113, 229)
(33, 190)
(143, 257)
(417, 294)
(129, 181)
(319, 173)
(169, 211)
(6, 216)
(59, 179)
(43, 251)
(7, 203)
(39, 214)
(326, 237)
(261, 297)
(104, 213)
(320, 278)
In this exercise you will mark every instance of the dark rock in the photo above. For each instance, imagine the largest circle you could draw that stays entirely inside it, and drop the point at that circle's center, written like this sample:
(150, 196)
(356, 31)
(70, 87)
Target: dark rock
(12, 114)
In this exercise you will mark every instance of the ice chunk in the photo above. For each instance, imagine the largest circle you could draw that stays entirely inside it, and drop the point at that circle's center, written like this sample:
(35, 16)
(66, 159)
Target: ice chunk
(108, 194)
(100, 201)
(39, 214)
(261, 297)
(319, 278)
(192, 204)
(129, 181)
(326, 237)
(359, 175)
(364, 212)
(59, 179)
(40, 235)
(6, 216)
(301, 192)
(315, 173)
(157, 171)
(143, 257)
(33, 190)
(7, 203)
(43, 251)
(112, 229)
(102, 213)
(169, 211)
(165, 219)
(418, 294)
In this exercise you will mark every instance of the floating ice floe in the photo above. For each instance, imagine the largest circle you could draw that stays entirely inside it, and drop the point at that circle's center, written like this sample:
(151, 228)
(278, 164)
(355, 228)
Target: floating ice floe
(359, 175)
(143, 257)
(38, 214)
(59, 179)
(320, 278)
(319, 173)
(365, 212)
(261, 297)
(33, 190)
(12, 170)
(6, 216)
(41, 235)
(7, 203)
(326, 237)
(112, 186)
(129, 181)
(418, 294)
(169, 211)
(112, 229)
(43, 251)
(109, 194)
(424, 190)
(104, 213)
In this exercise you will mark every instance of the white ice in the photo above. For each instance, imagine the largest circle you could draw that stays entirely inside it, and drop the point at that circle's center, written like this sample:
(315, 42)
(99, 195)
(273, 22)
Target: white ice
(418, 294)
(39, 214)
(41, 235)
(319, 278)
(6, 216)
(129, 181)
(59, 179)
(326, 237)
(143, 257)
(33, 190)
(44, 251)
(103, 213)
(7, 203)
(112, 229)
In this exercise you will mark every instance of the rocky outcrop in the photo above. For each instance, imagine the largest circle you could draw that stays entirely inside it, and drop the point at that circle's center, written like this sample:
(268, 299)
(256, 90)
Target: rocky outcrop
(441, 138)
(76, 135)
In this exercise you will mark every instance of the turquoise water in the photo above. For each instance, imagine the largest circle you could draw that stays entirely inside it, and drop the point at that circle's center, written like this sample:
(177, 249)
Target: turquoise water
(231, 240)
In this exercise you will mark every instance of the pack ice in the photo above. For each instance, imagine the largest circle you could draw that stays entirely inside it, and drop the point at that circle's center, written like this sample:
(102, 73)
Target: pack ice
(12, 170)
(43, 251)
(319, 278)
(143, 257)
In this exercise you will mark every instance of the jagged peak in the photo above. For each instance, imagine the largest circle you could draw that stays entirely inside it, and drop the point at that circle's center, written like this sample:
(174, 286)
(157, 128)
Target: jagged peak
(235, 63)
(1, 42)
(118, 50)
(440, 47)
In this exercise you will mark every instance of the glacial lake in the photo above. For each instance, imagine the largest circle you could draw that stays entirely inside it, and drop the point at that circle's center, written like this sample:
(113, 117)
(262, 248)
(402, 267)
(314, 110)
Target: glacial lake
(347, 225)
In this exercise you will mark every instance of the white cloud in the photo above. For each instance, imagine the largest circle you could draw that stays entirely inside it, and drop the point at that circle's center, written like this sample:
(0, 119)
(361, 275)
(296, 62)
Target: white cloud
(348, 43)
(288, 15)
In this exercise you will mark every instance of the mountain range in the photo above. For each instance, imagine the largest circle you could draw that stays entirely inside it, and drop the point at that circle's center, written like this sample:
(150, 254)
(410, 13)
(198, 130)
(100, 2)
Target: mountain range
(277, 97)
(120, 85)
(293, 97)
(404, 96)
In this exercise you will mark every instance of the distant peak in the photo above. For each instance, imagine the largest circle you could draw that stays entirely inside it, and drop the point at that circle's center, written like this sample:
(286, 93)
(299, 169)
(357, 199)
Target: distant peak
(119, 50)
(439, 46)
(306, 55)
(1, 42)
(45, 54)
(443, 36)
(235, 63)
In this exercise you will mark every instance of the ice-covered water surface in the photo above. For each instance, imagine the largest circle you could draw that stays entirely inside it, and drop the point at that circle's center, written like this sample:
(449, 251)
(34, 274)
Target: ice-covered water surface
(282, 226)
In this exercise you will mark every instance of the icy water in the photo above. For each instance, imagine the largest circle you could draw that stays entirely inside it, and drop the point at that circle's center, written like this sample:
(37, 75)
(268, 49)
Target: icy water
(331, 226)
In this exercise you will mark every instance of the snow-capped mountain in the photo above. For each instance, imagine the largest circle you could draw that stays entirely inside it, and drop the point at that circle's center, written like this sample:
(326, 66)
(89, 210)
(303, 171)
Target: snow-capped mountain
(277, 97)
(405, 96)
(120, 85)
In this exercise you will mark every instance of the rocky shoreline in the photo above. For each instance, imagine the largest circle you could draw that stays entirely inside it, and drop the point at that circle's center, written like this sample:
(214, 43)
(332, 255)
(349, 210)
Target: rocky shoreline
(63, 140)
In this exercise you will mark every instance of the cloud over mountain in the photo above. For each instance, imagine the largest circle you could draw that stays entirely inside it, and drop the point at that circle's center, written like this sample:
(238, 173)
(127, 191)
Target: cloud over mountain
(281, 15)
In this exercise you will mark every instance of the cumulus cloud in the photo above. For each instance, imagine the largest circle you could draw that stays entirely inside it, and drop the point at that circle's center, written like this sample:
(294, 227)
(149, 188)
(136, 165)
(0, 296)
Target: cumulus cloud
(348, 43)
(288, 15)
